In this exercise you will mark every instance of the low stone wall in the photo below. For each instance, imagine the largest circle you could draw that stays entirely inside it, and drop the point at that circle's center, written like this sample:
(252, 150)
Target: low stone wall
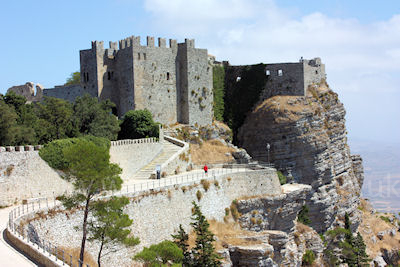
(157, 214)
(31, 251)
(132, 155)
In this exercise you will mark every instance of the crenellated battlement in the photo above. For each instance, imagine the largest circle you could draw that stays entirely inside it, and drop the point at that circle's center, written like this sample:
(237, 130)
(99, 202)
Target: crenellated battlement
(134, 41)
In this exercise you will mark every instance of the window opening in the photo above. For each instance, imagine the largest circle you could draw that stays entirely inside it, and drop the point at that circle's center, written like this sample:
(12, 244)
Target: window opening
(167, 75)
(267, 72)
(280, 72)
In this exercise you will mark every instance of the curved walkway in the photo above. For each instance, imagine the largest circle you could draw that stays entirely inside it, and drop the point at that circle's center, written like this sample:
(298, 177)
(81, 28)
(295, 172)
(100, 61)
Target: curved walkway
(8, 255)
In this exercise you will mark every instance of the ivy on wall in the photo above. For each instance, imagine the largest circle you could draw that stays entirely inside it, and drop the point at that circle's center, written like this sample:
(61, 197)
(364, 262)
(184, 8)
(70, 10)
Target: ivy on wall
(241, 94)
(218, 90)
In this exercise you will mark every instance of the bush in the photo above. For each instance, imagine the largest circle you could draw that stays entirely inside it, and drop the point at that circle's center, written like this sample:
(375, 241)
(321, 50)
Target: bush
(206, 184)
(161, 253)
(53, 154)
(282, 178)
(218, 90)
(138, 124)
(303, 216)
(199, 195)
(308, 258)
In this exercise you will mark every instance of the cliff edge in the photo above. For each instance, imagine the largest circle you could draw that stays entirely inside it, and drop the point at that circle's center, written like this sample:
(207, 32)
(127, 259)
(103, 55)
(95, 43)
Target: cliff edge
(308, 143)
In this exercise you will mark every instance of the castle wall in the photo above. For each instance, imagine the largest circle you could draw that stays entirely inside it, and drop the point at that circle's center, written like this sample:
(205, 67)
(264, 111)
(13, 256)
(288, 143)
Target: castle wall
(88, 59)
(155, 80)
(314, 72)
(124, 96)
(284, 79)
(67, 92)
(199, 89)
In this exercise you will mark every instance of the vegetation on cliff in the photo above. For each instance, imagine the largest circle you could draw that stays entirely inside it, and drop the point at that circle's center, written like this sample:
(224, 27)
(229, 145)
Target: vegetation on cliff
(218, 90)
(242, 95)
(138, 124)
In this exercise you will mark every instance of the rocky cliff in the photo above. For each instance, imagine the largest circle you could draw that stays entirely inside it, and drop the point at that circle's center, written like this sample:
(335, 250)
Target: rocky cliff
(308, 143)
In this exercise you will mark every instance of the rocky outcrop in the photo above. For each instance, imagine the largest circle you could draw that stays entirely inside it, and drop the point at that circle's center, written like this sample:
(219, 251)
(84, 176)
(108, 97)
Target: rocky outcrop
(273, 212)
(308, 142)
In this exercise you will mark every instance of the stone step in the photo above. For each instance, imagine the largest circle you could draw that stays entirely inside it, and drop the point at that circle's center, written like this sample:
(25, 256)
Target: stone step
(169, 150)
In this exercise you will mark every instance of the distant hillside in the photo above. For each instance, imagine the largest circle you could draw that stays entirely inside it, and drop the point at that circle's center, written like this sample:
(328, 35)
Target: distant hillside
(382, 173)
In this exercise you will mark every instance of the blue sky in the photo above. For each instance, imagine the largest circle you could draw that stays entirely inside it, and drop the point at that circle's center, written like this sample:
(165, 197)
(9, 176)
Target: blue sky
(359, 41)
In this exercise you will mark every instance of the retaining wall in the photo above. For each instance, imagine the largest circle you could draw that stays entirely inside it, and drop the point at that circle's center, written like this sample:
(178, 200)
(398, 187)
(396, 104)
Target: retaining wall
(132, 155)
(24, 175)
(157, 214)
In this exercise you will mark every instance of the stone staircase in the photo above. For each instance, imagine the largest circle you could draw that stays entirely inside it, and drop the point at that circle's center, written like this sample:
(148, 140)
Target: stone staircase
(169, 149)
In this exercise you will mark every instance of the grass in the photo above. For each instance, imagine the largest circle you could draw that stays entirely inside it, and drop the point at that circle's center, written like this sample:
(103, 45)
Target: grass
(88, 259)
(211, 151)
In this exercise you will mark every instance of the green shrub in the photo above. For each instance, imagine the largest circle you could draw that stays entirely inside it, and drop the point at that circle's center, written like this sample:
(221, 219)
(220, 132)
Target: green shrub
(160, 254)
(303, 216)
(282, 178)
(53, 154)
(138, 124)
(308, 258)
(206, 184)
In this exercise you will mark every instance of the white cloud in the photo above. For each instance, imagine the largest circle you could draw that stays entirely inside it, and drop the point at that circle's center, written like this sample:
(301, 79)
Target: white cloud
(360, 58)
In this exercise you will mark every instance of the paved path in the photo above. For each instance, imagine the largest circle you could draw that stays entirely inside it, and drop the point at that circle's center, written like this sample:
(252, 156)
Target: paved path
(9, 257)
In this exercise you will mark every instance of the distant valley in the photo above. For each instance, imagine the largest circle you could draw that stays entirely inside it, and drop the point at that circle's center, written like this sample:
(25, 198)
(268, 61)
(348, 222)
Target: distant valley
(382, 173)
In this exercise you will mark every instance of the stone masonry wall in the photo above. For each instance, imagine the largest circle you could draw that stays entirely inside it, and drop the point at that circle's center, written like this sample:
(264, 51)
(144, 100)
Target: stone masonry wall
(24, 175)
(157, 215)
(155, 81)
(131, 157)
(284, 79)
(68, 92)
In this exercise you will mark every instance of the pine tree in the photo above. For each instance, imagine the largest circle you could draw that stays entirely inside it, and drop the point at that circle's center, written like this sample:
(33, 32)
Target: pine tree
(361, 255)
(181, 240)
(203, 252)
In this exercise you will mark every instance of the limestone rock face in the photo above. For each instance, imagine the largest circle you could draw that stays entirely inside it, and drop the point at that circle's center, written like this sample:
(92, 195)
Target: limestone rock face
(307, 136)
(273, 212)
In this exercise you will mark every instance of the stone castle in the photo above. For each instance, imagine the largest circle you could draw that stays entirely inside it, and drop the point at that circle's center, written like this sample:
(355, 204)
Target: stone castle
(173, 82)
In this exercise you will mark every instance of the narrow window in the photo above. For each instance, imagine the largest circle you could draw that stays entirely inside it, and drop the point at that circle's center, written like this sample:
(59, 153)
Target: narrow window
(108, 75)
(316, 72)
(280, 72)
(138, 56)
(167, 75)
(238, 79)
(144, 56)
(267, 72)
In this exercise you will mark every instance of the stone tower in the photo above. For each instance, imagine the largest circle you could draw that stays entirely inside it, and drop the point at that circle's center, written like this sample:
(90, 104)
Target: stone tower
(174, 82)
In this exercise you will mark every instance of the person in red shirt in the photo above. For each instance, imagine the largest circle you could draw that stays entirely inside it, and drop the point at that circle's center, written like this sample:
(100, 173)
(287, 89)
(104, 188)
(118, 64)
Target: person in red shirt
(205, 169)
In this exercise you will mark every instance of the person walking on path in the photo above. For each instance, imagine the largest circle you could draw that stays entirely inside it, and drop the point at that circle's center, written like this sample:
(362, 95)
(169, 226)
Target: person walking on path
(205, 169)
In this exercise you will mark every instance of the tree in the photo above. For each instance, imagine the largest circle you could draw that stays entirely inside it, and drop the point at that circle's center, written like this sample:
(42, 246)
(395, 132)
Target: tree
(204, 251)
(74, 78)
(110, 223)
(55, 119)
(8, 123)
(181, 240)
(90, 171)
(138, 124)
(361, 255)
(95, 118)
(161, 253)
